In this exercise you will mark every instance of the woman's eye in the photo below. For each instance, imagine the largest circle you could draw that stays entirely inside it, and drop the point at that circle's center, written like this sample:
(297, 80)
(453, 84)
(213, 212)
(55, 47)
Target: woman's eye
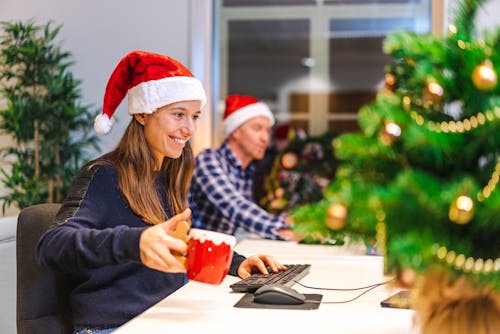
(196, 117)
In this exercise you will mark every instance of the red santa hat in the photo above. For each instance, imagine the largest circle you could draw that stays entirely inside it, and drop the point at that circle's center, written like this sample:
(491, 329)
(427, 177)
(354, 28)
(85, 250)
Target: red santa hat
(151, 81)
(241, 108)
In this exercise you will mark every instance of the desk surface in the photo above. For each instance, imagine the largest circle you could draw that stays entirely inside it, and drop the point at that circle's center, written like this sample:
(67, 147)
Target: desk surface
(202, 308)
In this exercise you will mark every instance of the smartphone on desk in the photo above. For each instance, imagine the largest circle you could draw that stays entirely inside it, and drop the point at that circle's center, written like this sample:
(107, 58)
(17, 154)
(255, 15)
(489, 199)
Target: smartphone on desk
(400, 299)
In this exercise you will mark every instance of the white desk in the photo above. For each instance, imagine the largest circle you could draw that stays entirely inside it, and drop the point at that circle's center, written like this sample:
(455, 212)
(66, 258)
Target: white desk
(202, 308)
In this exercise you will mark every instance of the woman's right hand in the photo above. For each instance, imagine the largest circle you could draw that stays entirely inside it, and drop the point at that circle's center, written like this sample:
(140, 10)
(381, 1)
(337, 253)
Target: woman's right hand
(156, 245)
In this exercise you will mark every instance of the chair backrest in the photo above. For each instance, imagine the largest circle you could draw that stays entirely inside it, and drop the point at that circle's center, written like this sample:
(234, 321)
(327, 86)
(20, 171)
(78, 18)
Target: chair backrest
(42, 294)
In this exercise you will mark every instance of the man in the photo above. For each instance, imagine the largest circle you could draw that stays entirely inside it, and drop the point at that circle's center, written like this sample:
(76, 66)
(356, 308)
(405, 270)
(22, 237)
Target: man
(221, 189)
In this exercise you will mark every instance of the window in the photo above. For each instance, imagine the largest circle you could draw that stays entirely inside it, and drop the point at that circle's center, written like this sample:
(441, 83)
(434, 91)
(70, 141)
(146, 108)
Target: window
(315, 62)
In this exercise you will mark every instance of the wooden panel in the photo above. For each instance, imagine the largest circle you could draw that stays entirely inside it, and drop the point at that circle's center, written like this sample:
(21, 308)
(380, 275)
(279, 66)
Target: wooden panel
(343, 126)
(299, 103)
(349, 102)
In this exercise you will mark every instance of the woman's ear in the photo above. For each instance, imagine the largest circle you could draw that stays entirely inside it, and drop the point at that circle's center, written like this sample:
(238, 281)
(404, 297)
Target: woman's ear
(140, 118)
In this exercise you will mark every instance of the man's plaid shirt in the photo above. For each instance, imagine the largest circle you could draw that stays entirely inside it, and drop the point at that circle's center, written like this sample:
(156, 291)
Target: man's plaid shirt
(221, 196)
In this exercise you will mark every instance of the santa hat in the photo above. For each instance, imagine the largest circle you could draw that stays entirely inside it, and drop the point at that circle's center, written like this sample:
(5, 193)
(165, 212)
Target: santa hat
(151, 81)
(241, 108)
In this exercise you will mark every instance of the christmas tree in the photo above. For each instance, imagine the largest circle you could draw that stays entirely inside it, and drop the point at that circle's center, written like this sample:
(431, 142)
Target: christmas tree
(300, 173)
(421, 177)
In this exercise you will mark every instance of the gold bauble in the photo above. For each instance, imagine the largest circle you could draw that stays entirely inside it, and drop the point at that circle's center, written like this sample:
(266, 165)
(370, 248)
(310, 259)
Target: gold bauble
(336, 216)
(484, 76)
(289, 160)
(461, 210)
(390, 82)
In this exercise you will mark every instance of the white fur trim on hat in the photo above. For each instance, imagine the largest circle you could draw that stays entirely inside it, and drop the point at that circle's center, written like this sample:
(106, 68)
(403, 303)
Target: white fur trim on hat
(216, 237)
(240, 116)
(151, 95)
(103, 124)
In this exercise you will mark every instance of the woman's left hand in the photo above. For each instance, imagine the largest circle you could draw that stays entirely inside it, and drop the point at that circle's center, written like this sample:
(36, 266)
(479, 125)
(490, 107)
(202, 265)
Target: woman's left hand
(259, 263)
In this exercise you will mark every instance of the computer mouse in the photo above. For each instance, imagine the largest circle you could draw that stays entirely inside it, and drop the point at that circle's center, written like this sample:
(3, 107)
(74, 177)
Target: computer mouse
(278, 294)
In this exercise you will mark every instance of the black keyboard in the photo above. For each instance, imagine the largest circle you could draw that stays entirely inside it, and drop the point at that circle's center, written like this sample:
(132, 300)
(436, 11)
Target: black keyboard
(288, 277)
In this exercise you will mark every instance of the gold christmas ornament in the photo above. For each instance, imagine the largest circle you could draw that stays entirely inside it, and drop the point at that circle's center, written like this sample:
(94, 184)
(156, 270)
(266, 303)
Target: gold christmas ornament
(390, 82)
(461, 210)
(484, 76)
(390, 133)
(336, 216)
(433, 93)
(289, 160)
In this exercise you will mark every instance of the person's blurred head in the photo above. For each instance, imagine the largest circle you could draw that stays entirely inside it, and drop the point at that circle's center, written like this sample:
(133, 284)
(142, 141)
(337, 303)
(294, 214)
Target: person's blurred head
(247, 127)
(240, 109)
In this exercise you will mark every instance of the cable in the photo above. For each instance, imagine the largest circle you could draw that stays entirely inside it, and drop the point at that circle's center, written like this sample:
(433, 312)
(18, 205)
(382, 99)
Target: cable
(368, 289)
(345, 301)
(348, 289)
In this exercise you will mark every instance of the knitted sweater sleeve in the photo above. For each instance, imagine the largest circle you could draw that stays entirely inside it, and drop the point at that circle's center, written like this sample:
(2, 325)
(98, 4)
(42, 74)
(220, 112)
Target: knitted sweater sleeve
(93, 228)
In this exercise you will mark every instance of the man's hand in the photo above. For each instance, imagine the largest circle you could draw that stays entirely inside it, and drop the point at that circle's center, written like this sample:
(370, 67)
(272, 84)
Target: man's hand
(288, 234)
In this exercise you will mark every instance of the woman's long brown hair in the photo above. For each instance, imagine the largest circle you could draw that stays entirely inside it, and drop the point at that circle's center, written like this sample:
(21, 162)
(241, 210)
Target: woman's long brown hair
(135, 165)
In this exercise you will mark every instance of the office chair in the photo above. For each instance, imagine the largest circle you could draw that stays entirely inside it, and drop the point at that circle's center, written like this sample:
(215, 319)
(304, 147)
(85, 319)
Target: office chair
(42, 294)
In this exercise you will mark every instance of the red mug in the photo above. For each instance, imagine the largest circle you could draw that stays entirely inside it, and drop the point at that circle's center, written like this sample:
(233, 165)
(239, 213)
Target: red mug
(209, 255)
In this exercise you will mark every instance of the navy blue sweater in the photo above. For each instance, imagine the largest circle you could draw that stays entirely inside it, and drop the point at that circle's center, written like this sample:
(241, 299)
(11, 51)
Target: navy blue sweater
(96, 240)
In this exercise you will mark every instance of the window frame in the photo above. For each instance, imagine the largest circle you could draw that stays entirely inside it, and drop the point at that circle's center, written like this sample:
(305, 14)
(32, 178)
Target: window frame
(209, 50)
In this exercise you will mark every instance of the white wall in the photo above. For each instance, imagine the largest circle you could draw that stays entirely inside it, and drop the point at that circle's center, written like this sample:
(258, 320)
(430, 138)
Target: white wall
(98, 33)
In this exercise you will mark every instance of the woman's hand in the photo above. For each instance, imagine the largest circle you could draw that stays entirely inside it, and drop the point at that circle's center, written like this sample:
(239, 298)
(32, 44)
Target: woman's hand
(156, 245)
(258, 263)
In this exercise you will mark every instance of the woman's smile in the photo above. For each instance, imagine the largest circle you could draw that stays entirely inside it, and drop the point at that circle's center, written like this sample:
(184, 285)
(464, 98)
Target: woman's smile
(179, 141)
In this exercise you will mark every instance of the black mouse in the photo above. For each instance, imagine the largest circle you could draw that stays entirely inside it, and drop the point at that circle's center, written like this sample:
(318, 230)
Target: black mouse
(278, 294)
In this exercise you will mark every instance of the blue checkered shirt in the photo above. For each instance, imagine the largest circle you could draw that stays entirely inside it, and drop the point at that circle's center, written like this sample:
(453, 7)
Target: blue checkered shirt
(221, 196)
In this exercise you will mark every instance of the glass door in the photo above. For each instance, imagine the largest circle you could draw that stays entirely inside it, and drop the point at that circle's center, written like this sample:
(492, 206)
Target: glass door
(315, 62)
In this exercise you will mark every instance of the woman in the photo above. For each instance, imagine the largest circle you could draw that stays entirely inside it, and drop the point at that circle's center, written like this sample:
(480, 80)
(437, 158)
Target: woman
(112, 232)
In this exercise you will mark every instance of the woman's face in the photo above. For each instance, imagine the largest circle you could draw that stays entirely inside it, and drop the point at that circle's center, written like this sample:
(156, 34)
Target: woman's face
(168, 129)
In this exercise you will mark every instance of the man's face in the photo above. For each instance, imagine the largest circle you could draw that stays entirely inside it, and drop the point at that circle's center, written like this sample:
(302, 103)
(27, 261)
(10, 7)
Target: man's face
(253, 137)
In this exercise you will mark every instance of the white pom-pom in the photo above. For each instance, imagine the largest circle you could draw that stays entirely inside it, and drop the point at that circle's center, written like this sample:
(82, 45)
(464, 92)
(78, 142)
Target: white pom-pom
(103, 124)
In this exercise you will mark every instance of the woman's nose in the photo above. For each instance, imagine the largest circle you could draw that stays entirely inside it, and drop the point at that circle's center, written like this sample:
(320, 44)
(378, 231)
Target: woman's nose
(188, 127)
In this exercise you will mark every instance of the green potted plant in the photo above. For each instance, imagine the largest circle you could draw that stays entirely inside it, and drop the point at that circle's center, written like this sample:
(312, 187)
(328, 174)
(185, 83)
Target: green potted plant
(51, 130)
